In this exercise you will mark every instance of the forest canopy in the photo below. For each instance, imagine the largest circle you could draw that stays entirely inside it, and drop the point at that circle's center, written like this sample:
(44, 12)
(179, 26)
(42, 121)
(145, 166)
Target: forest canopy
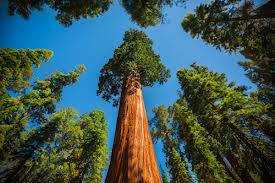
(67, 11)
(215, 130)
(144, 13)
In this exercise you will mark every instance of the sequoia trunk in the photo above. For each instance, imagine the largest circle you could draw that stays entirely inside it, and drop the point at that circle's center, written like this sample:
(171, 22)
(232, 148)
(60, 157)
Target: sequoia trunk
(133, 157)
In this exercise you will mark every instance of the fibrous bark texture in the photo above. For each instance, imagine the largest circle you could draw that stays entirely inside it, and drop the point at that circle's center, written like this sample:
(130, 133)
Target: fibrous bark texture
(133, 157)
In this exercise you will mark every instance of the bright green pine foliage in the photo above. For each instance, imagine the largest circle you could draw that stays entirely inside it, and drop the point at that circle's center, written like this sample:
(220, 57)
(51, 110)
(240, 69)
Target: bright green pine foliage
(148, 13)
(28, 153)
(136, 57)
(232, 117)
(67, 10)
(95, 145)
(205, 162)
(41, 145)
(188, 130)
(161, 129)
(72, 149)
(20, 110)
(32, 107)
(16, 67)
(219, 126)
(244, 27)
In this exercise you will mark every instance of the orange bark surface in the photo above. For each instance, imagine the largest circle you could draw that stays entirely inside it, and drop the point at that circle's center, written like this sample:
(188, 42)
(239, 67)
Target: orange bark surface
(133, 158)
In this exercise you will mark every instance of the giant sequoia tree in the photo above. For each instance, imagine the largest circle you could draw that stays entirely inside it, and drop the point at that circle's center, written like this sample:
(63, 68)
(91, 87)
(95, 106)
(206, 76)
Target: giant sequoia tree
(219, 126)
(134, 64)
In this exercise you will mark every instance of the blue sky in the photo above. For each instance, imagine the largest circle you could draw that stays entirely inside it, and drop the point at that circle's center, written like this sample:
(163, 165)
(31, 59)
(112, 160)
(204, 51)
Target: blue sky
(91, 42)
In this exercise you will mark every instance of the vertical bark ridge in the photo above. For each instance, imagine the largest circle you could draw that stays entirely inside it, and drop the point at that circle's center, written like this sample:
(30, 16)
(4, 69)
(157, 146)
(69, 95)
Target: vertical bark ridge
(133, 158)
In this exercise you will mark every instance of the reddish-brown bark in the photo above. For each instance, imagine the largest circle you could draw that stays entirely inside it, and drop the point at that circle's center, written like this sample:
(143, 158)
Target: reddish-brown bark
(133, 157)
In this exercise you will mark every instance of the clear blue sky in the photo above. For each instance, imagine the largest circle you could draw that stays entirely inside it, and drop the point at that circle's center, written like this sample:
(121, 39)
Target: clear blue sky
(91, 42)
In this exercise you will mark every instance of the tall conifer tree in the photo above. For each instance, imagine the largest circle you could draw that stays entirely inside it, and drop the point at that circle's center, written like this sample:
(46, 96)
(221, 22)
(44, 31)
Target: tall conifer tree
(27, 131)
(134, 64)
(248, 28)
(220, 125)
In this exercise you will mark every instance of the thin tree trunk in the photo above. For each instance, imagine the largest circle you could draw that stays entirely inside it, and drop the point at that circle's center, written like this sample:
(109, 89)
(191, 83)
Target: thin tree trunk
(229, 168)
(243, 170)
(266, 164)
(133, 157)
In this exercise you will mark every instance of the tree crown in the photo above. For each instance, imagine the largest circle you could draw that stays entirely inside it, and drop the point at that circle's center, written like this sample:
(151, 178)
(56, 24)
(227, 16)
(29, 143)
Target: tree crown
(135, 57)
(67, 10)
(148, 13)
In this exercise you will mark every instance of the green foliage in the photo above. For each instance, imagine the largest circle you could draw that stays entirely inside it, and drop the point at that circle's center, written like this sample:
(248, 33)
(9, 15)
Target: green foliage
(234, 118)
(36, 143)
(260, 70)
(18, 112)
(147, 13)
(204, 161)
(240, 26)
(171, 147)
(74, 149)
(232, 25)
(16, 67)
(134, 57)
(164, 176)
(67, 10)
(221, 126)
(144, 13)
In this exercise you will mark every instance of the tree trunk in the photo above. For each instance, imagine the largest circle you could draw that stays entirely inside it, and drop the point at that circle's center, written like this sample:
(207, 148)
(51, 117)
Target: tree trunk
(133, 157)
(229, 168)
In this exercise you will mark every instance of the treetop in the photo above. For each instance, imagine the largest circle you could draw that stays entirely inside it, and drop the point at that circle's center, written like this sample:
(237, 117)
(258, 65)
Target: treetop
(135, 56)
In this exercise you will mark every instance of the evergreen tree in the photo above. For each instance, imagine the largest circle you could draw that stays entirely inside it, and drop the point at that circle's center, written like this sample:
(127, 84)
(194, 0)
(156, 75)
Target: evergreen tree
(148, 13)
(134, 64)
(232, 25)
(234, 118)
(76, 150)
(244, 27)
(204, 161)
(144, 13)
(67, 11)
(15, 72)
(37, 143)
(221, 126)
(136, 58)
(163, 130)
(31, 108)
(21, 110)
